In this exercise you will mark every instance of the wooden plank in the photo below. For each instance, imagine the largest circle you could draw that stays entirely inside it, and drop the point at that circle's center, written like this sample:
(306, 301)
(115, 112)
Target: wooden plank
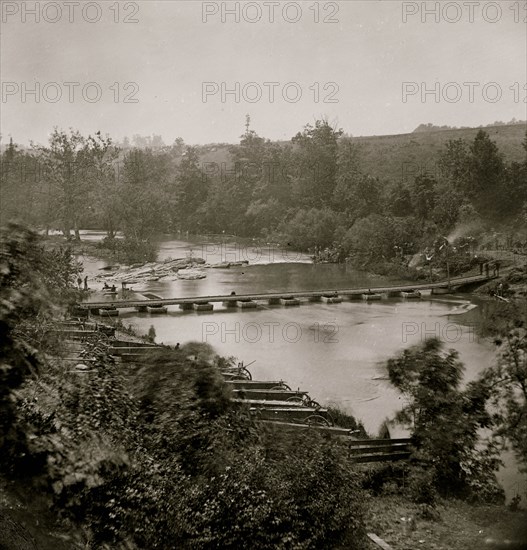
(330, 429)
(266, 394)
(378, 541)
(304, 410)
(130, 343)
(270, 403)
(393, 457)
(380, 442)
(378, 449)
(257, 384)
(119, 350)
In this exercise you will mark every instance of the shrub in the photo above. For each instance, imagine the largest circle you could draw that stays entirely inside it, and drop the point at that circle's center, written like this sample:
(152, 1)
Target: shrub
(130, 250)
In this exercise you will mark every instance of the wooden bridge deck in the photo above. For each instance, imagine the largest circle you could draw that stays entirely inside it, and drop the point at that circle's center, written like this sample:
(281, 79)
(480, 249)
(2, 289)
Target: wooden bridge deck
(121, 304)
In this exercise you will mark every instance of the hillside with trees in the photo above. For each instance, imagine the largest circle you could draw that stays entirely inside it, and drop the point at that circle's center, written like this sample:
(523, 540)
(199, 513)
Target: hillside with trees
(374, 201)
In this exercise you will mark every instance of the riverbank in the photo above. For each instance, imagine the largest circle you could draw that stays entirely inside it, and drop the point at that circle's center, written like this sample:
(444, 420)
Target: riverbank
(511, 285)
(451, 525)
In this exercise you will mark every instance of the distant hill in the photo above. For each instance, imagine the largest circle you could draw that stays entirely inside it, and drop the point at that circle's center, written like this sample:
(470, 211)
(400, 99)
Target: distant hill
(396, 157)
(399, 157)
(431, 128)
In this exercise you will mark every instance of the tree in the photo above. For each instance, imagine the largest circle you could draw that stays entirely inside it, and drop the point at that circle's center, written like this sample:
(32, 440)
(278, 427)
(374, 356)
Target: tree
(357, 194)
(77, 175)
(262, 184)
(22, 196)
(516, 183)
(506, 383)
(144, 208)
(33, 283)
(399, 200)
(453, 164)
(100, 175)
(378, 238)
(486, 184)
(444, 418)
(64, 162)
(190, 192)
(348, 173)
(446, 206)
(315, 157)
(423, 196)
(311, 228)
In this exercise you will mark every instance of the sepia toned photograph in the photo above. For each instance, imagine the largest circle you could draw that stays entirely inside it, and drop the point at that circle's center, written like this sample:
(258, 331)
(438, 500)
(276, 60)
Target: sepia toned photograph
(263, 275)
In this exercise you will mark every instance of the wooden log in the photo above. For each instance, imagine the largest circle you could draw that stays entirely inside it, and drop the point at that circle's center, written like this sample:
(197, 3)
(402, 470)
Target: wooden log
(379, 542)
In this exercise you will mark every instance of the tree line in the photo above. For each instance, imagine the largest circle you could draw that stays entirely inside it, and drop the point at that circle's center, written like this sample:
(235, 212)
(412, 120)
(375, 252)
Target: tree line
(311, 193)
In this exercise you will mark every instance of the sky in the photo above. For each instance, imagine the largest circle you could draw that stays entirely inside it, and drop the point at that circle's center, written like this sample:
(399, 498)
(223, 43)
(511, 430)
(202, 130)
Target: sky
(195, 69)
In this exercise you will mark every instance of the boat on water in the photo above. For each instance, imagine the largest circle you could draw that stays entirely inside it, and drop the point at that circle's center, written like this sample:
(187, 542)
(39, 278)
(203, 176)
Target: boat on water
(156, 309)
(108, 312)
(411, 294)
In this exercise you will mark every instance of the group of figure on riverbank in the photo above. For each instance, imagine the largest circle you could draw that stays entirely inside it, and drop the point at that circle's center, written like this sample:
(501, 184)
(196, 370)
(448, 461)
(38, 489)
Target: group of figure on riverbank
(495, 265)
(79, 283)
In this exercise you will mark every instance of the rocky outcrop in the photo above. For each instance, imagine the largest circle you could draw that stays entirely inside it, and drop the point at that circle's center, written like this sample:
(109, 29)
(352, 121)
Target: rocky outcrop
(191, 274)
(152, 271)
(189, 268)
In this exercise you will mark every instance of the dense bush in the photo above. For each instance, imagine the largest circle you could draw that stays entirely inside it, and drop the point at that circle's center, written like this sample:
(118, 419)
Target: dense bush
(161, 458)
(445, 422)
(130, 250)
(33, 282)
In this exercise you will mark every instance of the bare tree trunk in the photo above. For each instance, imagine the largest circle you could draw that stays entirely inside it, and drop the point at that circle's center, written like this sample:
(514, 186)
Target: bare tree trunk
(67, 231)
(109, 228)
(76, 230)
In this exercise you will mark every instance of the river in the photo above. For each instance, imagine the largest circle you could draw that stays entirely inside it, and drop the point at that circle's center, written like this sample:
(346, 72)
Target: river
(336, 352)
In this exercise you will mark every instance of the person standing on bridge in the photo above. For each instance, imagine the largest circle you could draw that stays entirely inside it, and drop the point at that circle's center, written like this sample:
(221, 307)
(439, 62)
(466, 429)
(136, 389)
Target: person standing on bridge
(497, 268)
(487, 269)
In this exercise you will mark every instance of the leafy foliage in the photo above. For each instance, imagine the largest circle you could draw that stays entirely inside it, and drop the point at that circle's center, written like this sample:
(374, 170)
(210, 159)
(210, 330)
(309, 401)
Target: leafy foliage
(445, 420)
(31, 280)
(506, 383)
